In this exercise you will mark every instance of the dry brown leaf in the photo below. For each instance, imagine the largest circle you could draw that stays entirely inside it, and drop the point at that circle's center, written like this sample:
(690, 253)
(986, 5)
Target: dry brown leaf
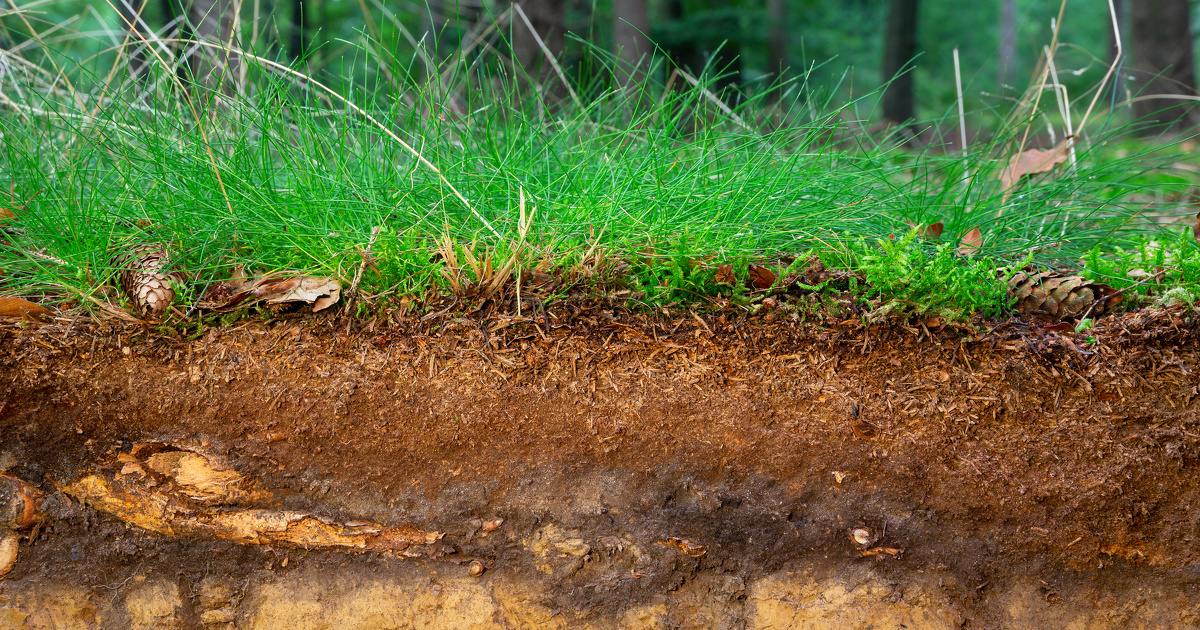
(971, 242)
(1032, 162)
(24, 309)
(240, 292)
(725, 275)
(933, 230)
(761, 277)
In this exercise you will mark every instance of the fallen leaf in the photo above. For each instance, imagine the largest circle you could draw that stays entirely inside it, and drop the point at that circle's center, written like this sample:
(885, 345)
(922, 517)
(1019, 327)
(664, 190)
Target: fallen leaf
(761, 277)
(725, 275)
(23, 309)
(933, 230)
(11, 213)
(240, 292)
(1032, 162)
(971, 242)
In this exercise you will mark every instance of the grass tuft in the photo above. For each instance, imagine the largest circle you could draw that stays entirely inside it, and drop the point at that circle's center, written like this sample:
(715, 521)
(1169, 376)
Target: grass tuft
(462, 184)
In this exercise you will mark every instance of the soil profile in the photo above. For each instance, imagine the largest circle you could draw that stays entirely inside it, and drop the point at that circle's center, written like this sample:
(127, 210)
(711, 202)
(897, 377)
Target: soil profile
(606, 471)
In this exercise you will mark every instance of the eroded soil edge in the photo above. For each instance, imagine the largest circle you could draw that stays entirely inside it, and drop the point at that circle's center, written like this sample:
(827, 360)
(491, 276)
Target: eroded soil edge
(1025, 476)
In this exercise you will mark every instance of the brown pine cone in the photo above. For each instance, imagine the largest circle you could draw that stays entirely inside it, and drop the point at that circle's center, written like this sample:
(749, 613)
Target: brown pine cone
(143, 272)
(1059, 295)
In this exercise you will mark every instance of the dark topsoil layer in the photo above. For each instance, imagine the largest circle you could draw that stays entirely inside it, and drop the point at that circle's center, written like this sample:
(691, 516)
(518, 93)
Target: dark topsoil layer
(982, 453)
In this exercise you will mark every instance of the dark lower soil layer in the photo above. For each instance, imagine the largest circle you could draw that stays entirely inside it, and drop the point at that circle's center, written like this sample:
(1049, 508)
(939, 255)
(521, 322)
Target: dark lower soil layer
(1013, 477)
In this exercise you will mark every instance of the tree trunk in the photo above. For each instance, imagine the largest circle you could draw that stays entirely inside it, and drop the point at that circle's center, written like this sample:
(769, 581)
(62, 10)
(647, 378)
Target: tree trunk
(1008, 42)
(900, 48)
(214, 21)
(777, 44)
(633, 49)
(547, 17)
(1162, 63)
(299, 23)
(132, 15)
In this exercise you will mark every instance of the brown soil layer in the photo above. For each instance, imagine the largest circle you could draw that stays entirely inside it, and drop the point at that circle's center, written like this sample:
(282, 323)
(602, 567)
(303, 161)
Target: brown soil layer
(1001, 461)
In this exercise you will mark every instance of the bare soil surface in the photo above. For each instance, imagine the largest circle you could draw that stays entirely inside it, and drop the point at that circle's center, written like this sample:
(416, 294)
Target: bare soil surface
(671, 472)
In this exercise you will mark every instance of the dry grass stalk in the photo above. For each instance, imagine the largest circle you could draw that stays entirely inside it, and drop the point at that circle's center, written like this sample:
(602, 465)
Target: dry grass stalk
(487, 278)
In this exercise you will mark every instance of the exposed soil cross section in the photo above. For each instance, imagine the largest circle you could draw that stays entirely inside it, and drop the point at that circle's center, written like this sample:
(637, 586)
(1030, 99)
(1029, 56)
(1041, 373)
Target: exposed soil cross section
(608, 472)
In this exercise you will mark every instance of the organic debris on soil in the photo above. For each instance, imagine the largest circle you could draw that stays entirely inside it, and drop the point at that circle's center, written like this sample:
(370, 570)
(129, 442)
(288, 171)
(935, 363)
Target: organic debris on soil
(1060, 295)
(20, 308)
(274, 288)
(1031, 162)
(145, 275)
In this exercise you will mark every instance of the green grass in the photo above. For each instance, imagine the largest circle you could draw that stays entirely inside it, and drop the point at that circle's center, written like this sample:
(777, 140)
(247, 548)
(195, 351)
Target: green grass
(663, 184)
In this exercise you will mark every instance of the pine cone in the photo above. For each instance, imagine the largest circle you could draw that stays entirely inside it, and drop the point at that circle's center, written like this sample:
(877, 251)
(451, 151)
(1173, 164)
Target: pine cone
(144, 276)
(1052, 293)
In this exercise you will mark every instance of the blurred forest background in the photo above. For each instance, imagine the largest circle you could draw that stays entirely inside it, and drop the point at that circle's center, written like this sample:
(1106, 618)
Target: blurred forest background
(822, 49)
